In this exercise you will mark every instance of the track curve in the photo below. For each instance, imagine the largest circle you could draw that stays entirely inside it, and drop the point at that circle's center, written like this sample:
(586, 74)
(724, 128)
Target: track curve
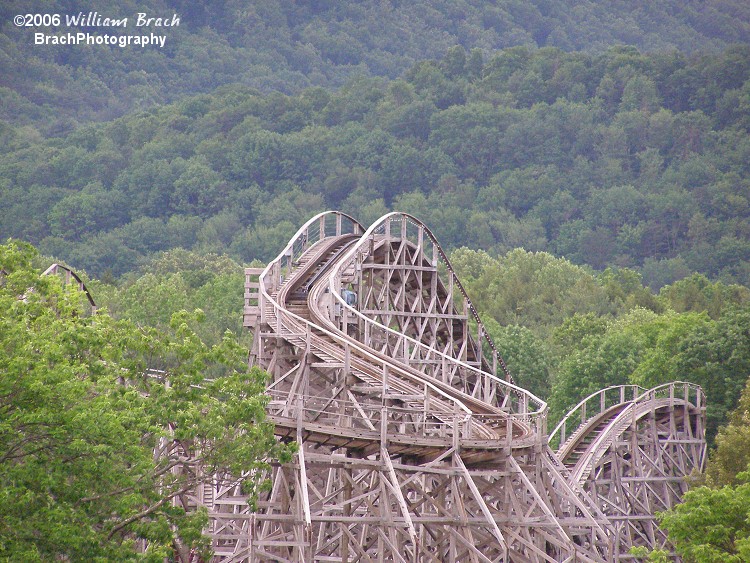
(411, 446)
(633, 450)
(69, 276)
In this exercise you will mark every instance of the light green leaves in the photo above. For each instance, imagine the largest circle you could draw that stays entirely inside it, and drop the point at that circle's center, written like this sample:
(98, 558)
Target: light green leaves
(81, 415)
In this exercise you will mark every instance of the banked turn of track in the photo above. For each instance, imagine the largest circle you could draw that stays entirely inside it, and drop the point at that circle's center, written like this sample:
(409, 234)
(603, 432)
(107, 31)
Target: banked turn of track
(411, 447)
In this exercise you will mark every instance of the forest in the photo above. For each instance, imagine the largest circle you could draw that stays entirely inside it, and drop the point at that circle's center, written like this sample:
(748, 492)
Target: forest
(614, 160)
(586, 165)
(287, 46)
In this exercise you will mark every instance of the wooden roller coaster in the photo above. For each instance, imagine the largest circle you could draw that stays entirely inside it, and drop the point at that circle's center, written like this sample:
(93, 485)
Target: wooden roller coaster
(411, 447)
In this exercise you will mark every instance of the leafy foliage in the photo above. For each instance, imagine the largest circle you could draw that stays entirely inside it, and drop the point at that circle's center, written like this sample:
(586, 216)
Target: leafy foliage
(711, 525)
(616, 160)
(732, 454)
(288, 46)
(82, 419)
(177, 280)
(536, 149)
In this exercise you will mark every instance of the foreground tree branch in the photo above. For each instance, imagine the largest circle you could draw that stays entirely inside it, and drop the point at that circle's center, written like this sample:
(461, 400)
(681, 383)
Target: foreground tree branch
(93, 456)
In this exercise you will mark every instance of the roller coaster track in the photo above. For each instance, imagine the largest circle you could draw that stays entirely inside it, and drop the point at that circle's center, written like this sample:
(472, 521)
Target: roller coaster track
(411, 448)
(631, 450)
(69, 277)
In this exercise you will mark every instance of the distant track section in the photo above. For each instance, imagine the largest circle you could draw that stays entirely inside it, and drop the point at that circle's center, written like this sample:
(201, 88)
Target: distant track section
(632, 449)
(68, 277)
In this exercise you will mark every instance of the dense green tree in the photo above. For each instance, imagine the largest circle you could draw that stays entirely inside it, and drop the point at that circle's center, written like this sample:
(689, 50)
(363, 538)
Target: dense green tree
(601, 360)
(584, 155)
(534, 288)
(179, 279)
(710, 525)
(697, 293)
(526, 355)
(732, 453)
(288, 46)
(81, 420)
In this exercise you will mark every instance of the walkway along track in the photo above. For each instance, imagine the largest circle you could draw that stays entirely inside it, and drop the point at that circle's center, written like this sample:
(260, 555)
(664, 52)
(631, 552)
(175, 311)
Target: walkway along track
(411, 448)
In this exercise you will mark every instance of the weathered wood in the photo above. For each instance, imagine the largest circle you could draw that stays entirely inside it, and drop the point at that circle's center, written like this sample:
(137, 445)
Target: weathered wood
(411, 447)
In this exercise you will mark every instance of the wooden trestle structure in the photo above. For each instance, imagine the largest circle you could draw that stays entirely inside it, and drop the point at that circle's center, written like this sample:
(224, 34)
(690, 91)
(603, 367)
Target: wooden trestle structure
(411, 447)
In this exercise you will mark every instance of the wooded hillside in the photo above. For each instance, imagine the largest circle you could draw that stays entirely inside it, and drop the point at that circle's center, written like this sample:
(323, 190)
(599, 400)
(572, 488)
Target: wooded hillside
(287, 46)
(620, 159)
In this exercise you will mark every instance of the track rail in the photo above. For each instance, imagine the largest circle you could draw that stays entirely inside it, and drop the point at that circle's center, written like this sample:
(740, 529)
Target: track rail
(475, 419)
(446, 411)
(69, 276)
(633, 448)
(516, 402)
(592, 407)
(608, 413)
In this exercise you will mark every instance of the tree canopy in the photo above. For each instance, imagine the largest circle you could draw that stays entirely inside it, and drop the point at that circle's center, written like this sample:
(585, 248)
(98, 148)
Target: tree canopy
(87, 403)
(617, 159)
(288, 45)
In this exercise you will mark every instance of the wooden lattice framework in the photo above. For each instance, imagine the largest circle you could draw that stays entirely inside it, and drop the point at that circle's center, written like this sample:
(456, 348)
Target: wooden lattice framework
(411, 447)
(631, 452)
